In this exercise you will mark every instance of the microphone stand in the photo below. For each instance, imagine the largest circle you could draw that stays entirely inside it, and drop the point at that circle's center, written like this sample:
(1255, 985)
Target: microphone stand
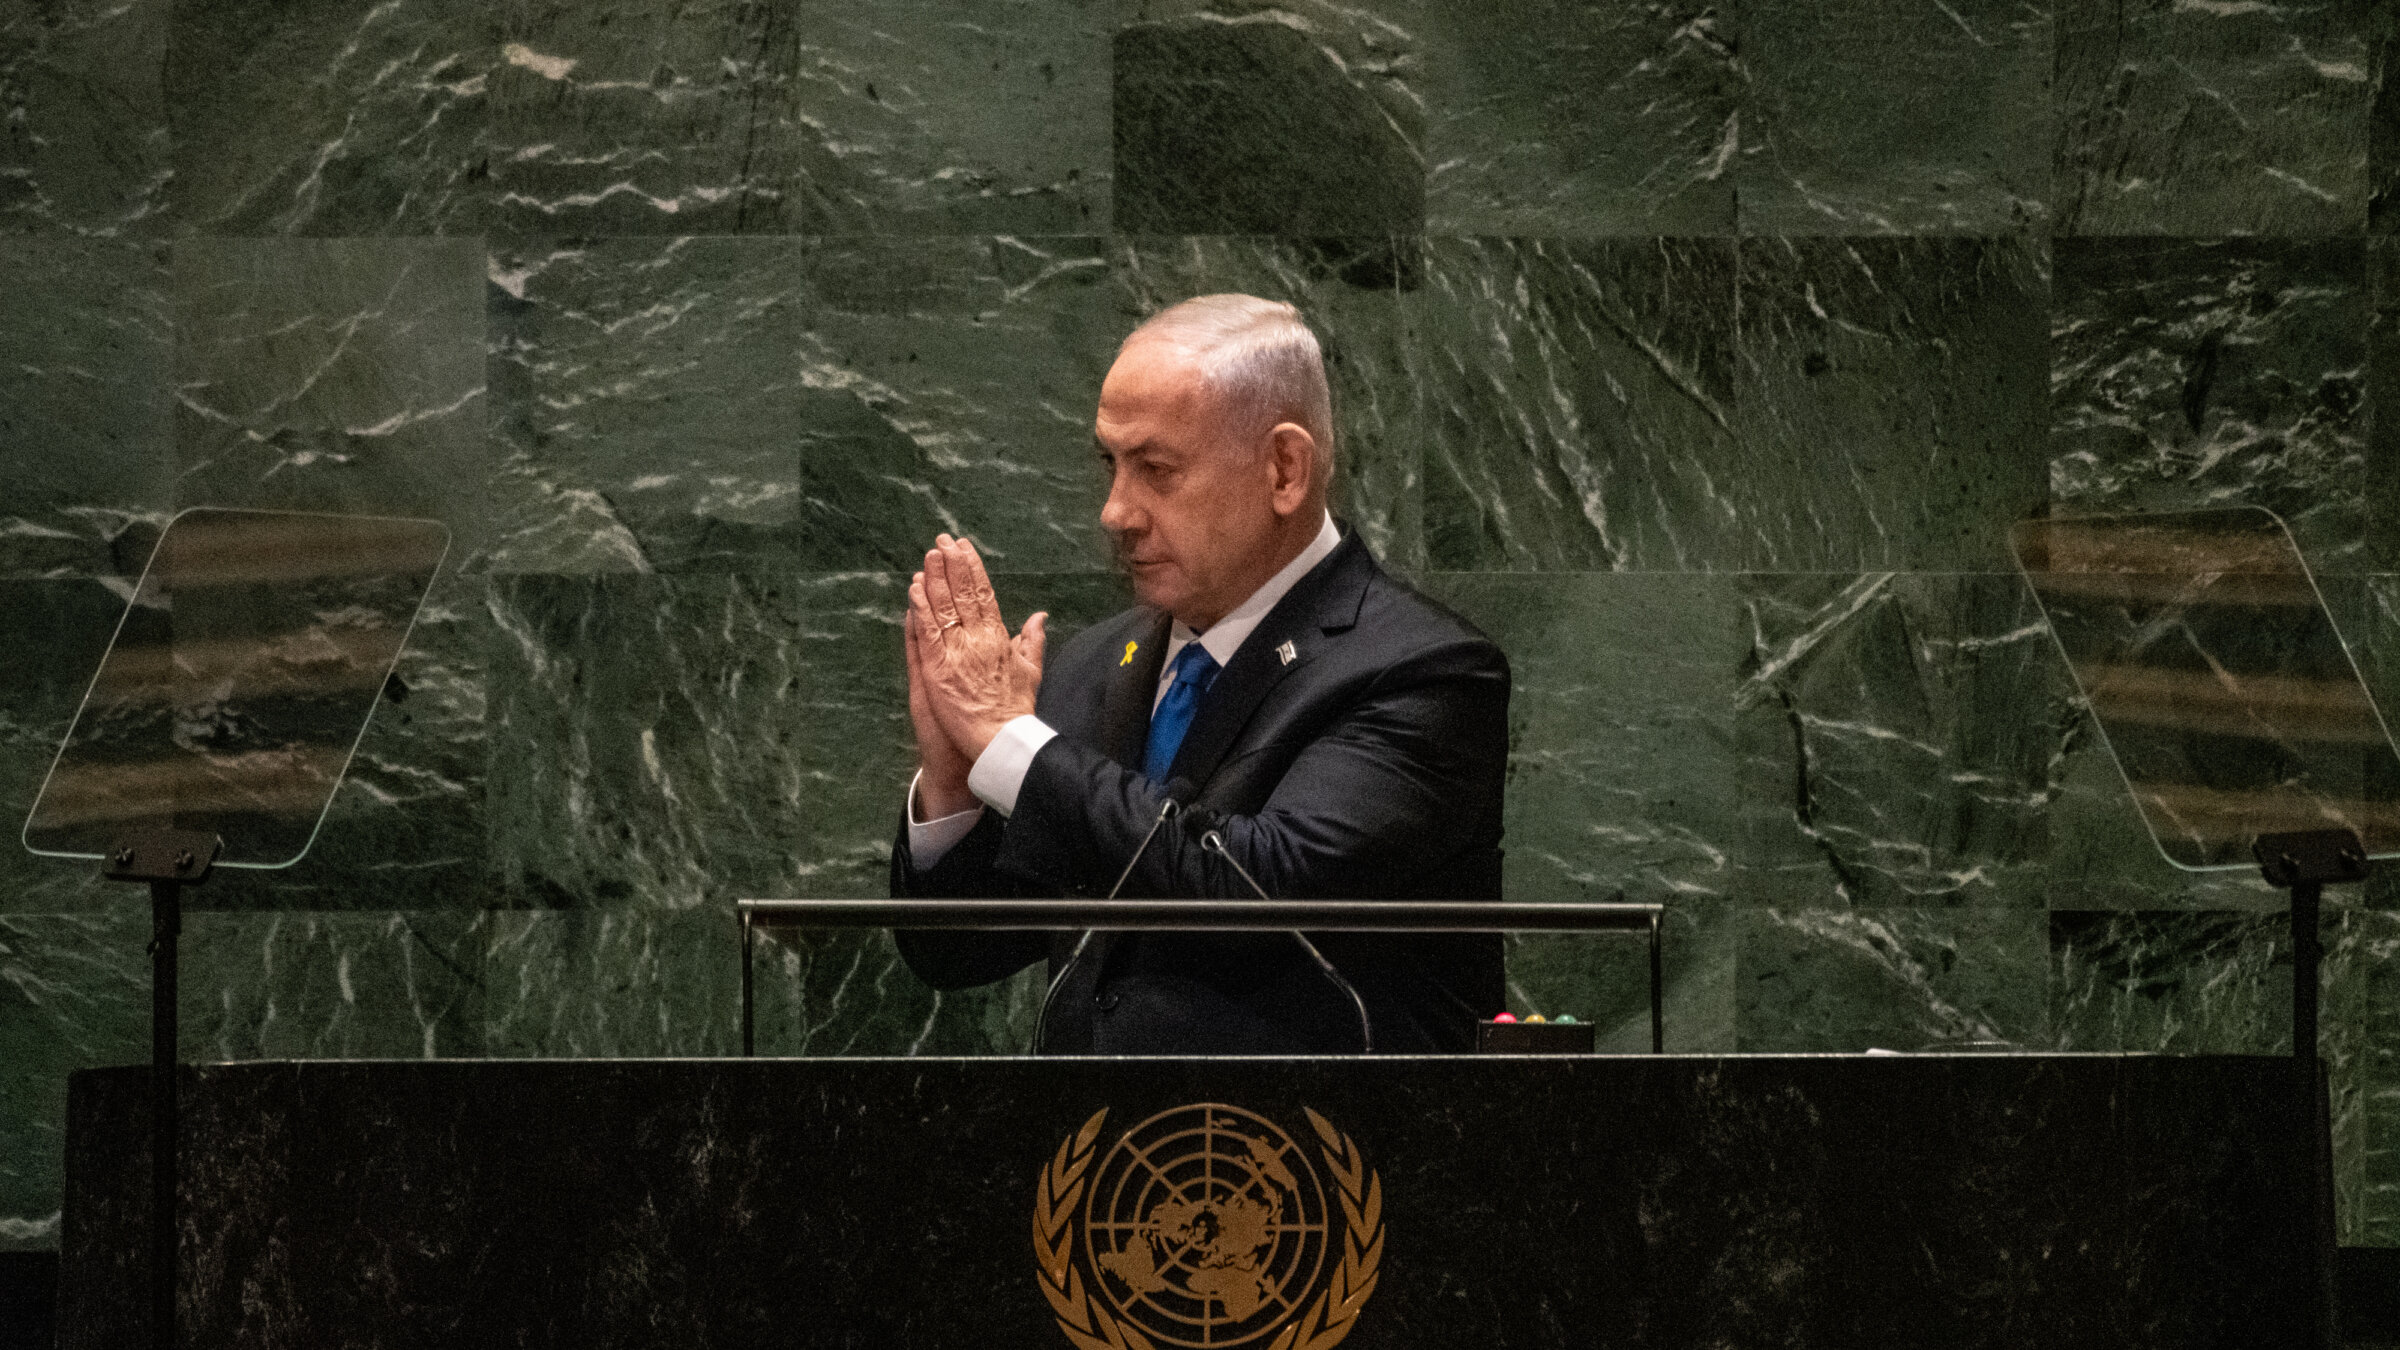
(1041, 1025)
(1215, 843)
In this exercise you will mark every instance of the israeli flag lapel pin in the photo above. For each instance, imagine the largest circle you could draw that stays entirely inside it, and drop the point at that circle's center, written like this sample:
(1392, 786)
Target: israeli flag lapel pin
(1288, 652)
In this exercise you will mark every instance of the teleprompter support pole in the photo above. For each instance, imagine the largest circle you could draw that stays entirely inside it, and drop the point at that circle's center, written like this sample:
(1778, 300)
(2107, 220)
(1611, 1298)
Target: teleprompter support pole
(166, 924)
(168, 860)
(2303, 862)
(2307, 959)
(1658, 1004)
(749, 1018)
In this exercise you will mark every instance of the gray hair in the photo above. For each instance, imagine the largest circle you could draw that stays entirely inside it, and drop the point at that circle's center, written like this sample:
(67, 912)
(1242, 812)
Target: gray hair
(1258, 359)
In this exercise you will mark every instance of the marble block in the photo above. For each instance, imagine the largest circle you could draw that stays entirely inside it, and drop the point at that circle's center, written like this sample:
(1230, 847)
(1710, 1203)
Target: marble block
(755, 743)
(837, 993)
(2383, 133)
(2212, 119)
(455, 984)
(642, 735)
(951, 383)
(1298, 120)
(612, 982)
(1888, 400)
(1819, 980)
(1578, 402)
(2354, 1023)
(957, 116)
(346, 376)
(341, 375)
(1578, 117)
(357, 117)
(1621, 731)
(2178, 982)
(614, 117)
(56, 632)
(74, 994)
(1873, 118)
(1898, 737)
(84, 146)
(284, 985)
(645, 404)
(86, 405)
(2381, 387)
(2188, 373)
(2376, 1215)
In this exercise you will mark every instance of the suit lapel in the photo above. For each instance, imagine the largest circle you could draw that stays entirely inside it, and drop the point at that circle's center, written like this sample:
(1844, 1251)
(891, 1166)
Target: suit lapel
(1324, 601)
(1125, 698)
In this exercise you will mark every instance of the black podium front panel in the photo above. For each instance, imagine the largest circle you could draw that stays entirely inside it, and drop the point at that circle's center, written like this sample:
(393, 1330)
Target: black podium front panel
(1287, 1205)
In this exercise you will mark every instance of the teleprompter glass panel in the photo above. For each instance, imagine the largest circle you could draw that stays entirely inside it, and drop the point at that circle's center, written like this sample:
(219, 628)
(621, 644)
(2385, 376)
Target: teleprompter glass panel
(2220, 684)
(239, 682)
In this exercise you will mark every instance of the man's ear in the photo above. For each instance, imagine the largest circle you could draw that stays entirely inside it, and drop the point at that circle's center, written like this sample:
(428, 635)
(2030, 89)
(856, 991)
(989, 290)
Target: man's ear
(1292, 459)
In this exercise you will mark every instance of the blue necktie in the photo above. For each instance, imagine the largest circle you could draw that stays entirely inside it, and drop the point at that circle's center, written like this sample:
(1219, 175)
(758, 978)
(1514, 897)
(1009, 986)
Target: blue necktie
(1195, 671)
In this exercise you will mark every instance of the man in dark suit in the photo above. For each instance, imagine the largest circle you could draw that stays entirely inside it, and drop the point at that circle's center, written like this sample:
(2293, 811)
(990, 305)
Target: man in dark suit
(1346, 737)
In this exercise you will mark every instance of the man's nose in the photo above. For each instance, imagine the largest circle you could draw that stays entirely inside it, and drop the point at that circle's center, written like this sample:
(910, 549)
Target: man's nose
(1117, 515)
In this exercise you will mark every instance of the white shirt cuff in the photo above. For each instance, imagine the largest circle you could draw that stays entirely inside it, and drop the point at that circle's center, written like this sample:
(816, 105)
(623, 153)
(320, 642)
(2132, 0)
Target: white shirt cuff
(1000, 771)
(928, 840)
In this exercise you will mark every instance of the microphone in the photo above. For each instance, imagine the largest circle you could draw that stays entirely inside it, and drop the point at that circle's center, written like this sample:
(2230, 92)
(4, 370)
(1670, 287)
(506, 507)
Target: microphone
(1214, 842)
(1178, 792)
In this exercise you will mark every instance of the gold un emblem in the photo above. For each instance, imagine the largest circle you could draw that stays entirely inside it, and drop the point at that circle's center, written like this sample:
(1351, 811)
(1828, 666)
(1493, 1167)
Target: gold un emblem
(1208, 1226)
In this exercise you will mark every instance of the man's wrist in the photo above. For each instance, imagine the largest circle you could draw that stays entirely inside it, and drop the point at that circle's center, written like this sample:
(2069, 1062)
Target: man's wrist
(942, 796)
(980, 736)
(931, 837)
(1000, 770)
(979, 739)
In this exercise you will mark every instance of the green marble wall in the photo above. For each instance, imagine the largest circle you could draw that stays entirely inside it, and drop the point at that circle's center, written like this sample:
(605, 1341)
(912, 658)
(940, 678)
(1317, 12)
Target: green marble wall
(1701, 352)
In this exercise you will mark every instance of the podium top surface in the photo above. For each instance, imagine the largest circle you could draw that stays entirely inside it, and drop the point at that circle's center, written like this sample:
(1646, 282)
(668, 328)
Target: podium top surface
(1219, 916)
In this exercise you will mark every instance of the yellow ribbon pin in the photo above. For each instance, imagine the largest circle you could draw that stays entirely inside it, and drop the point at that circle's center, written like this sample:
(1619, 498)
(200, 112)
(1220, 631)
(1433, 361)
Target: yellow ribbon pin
(1129, 653)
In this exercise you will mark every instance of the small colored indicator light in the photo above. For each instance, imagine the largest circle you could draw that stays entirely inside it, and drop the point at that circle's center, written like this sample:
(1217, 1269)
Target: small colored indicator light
(1537, 1017)
(1506, 1017)
(1564, 1019)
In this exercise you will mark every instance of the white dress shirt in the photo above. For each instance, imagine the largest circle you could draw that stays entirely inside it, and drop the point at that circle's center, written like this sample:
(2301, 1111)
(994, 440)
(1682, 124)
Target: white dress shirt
(999, 773)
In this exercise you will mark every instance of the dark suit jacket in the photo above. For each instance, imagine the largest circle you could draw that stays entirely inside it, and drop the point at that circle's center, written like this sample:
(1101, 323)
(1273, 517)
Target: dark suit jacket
(1369, 767)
